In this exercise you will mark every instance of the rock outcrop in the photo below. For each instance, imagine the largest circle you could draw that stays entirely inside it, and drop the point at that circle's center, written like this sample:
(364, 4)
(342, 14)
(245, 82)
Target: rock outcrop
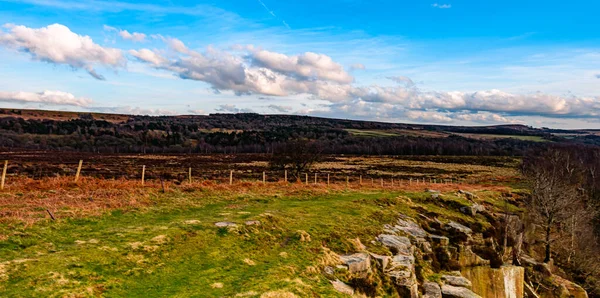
(460, 262)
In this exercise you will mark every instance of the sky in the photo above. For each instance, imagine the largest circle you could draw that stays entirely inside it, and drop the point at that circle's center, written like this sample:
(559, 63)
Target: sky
(454, 62)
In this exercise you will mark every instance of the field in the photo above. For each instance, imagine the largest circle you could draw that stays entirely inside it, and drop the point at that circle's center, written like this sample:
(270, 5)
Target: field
(250, 167)
(115, 237)
(494, 136)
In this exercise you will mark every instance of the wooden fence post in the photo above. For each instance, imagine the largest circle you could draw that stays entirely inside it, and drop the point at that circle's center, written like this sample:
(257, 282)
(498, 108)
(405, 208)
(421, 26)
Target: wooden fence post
(143, 174)
(306, 178)
(392, 182)
(315, 178)
(230, 177)
(78, 170)
(347, 181)
(285, 176)
(410, 181)
(381, 182)
(264, 178)
(327, 179)
(360, 180)
(190, 175)
(4, 174)
(372, 182)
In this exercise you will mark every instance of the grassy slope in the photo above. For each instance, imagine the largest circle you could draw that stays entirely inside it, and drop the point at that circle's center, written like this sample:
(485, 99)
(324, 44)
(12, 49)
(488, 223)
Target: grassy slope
(153, 252)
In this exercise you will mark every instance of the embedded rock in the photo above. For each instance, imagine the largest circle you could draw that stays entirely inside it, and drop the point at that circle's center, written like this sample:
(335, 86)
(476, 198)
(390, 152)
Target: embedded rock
(225, 224)
(382, 260)
(357, 263)
(342, 287)
(396, 244)
(457, 281)
(449, 291)
(431, 290)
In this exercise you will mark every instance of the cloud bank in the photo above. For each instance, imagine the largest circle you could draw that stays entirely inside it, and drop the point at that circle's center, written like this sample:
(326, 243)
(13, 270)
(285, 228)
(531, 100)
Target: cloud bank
(45, 97)
(251, 70)
(57, 44)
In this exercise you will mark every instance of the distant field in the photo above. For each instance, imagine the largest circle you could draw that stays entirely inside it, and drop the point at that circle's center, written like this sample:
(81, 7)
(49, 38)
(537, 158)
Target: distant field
(396, 132)
(250, 167)
(493, 136)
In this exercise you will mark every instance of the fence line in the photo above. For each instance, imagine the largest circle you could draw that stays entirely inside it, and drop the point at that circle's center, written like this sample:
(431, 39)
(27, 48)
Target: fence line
(179, 173)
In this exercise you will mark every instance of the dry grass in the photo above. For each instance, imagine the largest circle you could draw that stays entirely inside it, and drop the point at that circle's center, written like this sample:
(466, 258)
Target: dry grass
(27, 200)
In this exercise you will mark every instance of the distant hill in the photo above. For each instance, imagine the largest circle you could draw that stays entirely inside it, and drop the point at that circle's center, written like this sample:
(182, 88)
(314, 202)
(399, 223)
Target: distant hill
(255, 133)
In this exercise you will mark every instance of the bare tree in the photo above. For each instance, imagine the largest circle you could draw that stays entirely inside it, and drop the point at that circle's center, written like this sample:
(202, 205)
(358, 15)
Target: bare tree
(555, 197)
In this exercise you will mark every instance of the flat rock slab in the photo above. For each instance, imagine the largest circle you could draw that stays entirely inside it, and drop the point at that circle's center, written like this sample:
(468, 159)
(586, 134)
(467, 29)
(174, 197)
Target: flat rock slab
(358, 262)
(225, 224)
(342, 287)
(458, 228)
(252, 223)
(457, 281)
(449, 291)
(396, 244)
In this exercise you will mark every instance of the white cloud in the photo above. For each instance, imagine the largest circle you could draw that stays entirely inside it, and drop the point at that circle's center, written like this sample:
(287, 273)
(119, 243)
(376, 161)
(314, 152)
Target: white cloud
(280, 108)
(128, 110)
(428, 116)
(197, 112)
(441, 6)
(305, 66)
(149, 56)
(45, 97)
(135, 36)
(249, 70)
(229, 108)
(402, 80)
(124, 34)
(57, 44)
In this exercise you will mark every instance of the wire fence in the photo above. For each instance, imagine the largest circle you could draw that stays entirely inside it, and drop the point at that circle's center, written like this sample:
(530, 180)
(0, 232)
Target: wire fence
(227, 174)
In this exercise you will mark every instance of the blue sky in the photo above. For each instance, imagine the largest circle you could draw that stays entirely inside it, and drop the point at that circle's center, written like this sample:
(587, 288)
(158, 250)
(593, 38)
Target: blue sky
(451, 62)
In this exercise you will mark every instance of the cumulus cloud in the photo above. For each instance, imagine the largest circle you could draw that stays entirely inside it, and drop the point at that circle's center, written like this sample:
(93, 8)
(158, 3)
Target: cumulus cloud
(441, 6)
(229, 108)
(135, 36)
(597, 76)
(486, 118)
(58, 44)
(45, 97)
(305, 66)
(402, 80)
(248, 70)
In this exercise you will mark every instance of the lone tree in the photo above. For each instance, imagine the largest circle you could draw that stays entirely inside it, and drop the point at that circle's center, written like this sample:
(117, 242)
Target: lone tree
(554, 175)
(297, 156)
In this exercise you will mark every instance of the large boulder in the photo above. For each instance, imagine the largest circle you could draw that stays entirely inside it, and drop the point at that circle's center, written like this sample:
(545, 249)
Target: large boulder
(449, 291)
(472, 210)
(382, 260)
(402, 273)
(431, 290)
(396, 244)
(457, 281)
(357, 263)
(458, 231)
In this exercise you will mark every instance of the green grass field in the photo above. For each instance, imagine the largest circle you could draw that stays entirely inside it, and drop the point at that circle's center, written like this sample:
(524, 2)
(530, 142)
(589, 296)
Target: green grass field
(172, 248)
